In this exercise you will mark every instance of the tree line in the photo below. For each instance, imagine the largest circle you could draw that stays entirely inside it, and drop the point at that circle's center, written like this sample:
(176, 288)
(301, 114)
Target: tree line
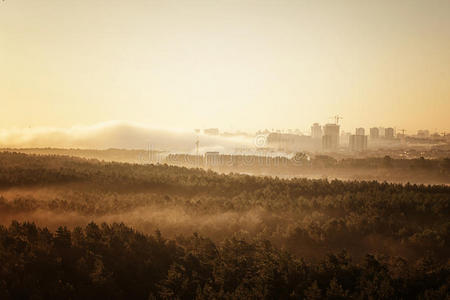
(116, 262)
(226, 236)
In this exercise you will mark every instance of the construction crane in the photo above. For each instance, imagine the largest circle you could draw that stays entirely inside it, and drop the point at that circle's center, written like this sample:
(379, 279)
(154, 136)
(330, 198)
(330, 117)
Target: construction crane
(336, 119)
(197, 143)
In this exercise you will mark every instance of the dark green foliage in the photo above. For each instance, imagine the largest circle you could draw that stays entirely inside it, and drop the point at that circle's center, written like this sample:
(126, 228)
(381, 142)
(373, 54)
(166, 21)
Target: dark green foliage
(307, 217)
(116, 262)
(279, 238)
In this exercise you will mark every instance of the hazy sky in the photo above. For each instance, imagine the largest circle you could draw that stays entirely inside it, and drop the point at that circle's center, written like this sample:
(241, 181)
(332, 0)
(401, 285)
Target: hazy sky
(228, 64)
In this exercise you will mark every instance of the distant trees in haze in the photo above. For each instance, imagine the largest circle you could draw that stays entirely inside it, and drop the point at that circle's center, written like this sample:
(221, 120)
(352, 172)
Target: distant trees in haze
(374, 168)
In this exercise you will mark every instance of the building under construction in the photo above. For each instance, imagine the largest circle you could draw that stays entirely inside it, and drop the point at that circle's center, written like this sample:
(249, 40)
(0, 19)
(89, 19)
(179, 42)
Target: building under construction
(330, 138)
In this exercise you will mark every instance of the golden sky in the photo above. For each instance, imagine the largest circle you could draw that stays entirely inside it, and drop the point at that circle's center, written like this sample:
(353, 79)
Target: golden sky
(227, 64)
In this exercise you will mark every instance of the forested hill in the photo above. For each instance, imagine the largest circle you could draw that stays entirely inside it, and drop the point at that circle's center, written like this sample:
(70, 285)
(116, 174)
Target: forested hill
(225, 236)
(18, 169)
(399, 170)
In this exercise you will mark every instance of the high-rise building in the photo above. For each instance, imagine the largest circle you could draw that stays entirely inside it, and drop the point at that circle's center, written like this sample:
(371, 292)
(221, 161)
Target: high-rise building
(358, 142)
(423, 133)
(345, 137)
(360, 131)
(389, 133)
(374, 133)
(316, 131)
(330, 138)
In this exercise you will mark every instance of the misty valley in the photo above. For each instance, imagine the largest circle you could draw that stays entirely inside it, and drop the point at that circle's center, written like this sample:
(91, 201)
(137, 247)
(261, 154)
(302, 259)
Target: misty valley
(94, 229)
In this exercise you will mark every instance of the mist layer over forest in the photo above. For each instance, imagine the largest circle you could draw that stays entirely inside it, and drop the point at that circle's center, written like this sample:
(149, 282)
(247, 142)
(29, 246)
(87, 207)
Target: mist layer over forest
(420, 170)
(301, 218)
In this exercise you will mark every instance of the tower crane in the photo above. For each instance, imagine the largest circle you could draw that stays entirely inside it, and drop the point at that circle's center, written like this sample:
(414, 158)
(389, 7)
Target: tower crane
(336, 119)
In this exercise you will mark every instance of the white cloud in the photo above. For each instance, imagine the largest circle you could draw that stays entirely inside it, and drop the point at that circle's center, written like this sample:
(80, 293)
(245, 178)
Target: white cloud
(118, 134)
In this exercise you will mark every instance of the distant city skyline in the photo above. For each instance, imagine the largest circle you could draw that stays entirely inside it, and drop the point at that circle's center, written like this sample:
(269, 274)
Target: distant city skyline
(229, 64)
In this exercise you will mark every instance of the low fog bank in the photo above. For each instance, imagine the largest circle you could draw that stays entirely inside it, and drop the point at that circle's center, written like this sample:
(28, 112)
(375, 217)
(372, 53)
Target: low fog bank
(307, 227)
(308, 218)
(118, 134)
(146, 212)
